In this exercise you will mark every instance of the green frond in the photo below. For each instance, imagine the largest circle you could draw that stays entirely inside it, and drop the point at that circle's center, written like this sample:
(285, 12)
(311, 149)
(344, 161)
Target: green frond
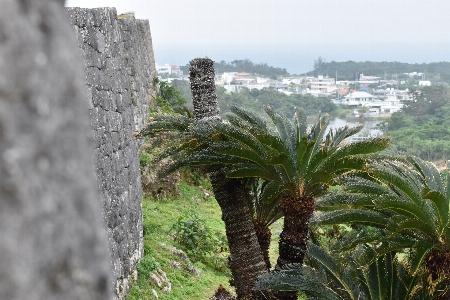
(330, 264)
(297, 278)
(421, 249)
(238, 135)
(401, 185)
(351, 242)
(345, 164)
(429, 173)
(357, 148)
(245, 170)
(350, 216)
(271, 192)
(165, 124)
(318, 130)
(198, 158)
(235, 149)
(428, 230)
(264, 201)
(440, 204)
(360, 183)
(251, 118)
(394, 243)
(316, 160)
(285, 128)
(337, 135)
(303, 153)
(316, 183)
(341, 200)
(301, 122)
(285, 164)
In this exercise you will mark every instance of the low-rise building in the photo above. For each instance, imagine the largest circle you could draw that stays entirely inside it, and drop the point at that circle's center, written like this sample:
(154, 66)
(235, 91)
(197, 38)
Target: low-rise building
(169, 70)
(322, 85)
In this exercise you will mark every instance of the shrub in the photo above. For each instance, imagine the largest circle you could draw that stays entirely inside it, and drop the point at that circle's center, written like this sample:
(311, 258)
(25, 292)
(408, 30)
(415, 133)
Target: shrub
(200, 242)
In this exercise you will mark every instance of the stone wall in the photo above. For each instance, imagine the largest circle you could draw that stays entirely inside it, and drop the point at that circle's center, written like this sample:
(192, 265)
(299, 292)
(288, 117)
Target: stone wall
(53, 242)
(119, 68)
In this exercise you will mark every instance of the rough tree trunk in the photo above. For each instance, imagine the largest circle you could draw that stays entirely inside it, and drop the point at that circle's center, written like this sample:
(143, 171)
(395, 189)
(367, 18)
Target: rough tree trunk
(295, 234)
(264, 236)
(246, 261)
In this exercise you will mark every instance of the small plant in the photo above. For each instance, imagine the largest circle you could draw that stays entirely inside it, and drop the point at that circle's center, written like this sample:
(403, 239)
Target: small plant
(200, 242)
(144, 158)
(147, 265)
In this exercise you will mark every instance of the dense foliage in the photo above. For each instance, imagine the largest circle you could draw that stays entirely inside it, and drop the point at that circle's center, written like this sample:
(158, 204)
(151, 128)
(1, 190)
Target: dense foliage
(254, 100)
(347, 70)
(422, 128)
(395, 241)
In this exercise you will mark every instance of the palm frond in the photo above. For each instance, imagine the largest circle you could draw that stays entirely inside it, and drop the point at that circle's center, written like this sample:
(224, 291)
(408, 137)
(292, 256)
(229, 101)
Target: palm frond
(297, 278)
(350, 216)
(285, 129)
(301, 122)
(337, 135)
(429, 173)
(254, 120)
(422, 248)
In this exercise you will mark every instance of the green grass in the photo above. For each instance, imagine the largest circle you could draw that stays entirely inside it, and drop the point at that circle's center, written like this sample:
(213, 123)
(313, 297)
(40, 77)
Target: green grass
(158, 218)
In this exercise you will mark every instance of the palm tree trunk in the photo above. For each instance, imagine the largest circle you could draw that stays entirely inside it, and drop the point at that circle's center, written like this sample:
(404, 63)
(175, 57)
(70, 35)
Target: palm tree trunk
(245, 261)
(264, 235)
(295, 234)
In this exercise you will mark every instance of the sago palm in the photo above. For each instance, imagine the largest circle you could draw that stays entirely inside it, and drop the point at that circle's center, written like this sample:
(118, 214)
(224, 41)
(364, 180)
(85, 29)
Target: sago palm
(299, 162)
(408, 198)
(265, 210)
(362, 275)
(191, 137)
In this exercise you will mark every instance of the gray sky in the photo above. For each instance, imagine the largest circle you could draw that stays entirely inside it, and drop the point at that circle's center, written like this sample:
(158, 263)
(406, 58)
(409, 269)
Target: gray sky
(240, 25)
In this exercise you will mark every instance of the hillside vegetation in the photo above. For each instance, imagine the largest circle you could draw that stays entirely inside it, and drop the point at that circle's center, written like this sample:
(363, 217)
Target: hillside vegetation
(422, 128)
(247, 66)
(347, 70)
(350, 223)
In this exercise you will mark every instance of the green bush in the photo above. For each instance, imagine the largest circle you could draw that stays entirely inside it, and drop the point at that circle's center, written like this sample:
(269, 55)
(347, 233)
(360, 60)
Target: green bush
(200, 242)
(147, 265)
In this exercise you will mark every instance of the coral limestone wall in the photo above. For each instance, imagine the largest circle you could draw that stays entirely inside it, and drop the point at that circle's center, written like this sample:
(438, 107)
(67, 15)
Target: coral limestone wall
(53, 243)
(119, 68)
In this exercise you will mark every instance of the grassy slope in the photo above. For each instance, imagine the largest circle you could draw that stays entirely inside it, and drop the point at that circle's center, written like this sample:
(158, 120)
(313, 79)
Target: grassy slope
(158, 218)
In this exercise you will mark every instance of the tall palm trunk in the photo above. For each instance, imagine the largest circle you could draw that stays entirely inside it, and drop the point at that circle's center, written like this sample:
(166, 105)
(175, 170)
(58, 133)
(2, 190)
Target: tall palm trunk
(245, 261)
(295, 234)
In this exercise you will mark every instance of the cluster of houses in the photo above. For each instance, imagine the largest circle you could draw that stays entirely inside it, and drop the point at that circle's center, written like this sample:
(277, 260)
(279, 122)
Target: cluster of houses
(366, 102)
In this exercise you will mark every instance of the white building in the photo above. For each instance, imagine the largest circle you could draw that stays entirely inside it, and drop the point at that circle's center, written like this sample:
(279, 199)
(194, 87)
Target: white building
(295, 80)
(262, 79)
(425, 83)
(376, 107)
(228, 77)
(169, 70)
(368, 79)
(322, 85)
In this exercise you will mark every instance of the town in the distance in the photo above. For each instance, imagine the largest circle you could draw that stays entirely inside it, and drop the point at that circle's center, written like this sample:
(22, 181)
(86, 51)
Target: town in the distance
(369, 96)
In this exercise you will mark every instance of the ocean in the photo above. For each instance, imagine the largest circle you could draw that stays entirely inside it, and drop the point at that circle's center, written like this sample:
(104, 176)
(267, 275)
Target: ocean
(299, 58)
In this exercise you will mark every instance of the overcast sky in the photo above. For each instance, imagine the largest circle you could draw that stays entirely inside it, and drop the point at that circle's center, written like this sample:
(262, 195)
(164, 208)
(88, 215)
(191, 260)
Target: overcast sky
(240, 25)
